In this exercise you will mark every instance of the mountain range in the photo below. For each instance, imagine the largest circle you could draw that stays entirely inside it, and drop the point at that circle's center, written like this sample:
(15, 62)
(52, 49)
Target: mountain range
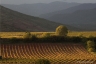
(38, 9)
(85, 19)
(84, 6)
(82, 16)
(75, 16)
(13, 21)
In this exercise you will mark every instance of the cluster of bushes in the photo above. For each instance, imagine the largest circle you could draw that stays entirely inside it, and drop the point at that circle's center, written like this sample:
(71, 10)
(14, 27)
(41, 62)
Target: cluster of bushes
(42, 61)
(91, 46)
(46, 37)
(53, 39)
(60, 36)
(59, 39)
(0, 57)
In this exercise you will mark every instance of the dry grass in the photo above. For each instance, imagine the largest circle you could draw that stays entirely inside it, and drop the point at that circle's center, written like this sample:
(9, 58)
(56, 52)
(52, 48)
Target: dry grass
(83, 33)
(21, 34)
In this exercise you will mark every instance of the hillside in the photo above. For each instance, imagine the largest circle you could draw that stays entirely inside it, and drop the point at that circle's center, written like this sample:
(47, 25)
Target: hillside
(11, 21)
(85, 19)
(37, 9)
(84, 6)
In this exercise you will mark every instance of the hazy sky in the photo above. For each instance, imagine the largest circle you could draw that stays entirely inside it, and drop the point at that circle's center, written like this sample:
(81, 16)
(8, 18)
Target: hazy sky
(42, 1)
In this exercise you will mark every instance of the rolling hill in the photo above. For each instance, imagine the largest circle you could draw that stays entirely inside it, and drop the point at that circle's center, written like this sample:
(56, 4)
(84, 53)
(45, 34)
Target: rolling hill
(11, 21)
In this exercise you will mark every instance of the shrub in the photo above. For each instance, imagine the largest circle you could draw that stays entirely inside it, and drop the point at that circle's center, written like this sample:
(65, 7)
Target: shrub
(42, 61)
(91, 49)
(45, 35)
(84, 40)
(61, 30)
(81, 35)
(34, 37)
(91, 37)
(90, 44)
(27, 35)
(0, 57)
(13, 40)
(75, 39)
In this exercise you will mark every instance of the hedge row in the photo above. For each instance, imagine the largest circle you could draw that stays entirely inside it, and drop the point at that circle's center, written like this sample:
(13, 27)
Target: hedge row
(47, 39)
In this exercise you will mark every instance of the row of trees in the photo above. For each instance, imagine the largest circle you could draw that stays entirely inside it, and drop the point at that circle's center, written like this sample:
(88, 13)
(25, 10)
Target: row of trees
(60, 36)
(60, 31)
(63, 31)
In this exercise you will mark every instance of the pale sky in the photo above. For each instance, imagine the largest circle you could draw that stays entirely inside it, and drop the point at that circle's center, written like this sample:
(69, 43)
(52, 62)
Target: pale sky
(42, 1)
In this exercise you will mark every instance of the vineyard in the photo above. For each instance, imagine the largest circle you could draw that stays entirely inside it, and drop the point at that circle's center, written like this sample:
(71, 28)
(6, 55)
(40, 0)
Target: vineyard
(57, 53)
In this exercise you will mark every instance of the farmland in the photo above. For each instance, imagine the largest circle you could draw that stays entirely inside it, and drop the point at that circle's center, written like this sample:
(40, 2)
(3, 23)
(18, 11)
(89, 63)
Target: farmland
(21, 34)
(26, 39)
(57, 53)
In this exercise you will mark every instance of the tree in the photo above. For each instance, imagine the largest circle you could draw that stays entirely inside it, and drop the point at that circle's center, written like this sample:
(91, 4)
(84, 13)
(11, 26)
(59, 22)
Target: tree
(91, 46)
(61, 30)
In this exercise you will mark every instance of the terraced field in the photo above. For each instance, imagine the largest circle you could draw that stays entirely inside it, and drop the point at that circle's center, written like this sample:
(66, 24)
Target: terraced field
(57, 53)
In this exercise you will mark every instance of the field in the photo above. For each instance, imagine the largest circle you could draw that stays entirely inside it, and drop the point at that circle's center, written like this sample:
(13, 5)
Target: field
(57, 53)
(83, 33)
(21, 34)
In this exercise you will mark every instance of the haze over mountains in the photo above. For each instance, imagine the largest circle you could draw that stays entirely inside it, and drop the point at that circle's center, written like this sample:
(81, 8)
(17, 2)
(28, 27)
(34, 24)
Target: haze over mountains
(11, 21)
(84, 19)
(77, 16)
(43, 1)
(84, 6)
(82, 16)
(14, 21)
(40, 8)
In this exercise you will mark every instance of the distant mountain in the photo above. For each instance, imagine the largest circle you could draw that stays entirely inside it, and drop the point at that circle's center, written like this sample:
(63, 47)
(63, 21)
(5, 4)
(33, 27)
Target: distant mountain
(11, 21)
(84, 6)
(85, 19)
(40, 8)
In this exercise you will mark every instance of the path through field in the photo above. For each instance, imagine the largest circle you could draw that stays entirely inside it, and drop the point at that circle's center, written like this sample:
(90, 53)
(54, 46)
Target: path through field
(57, 53)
